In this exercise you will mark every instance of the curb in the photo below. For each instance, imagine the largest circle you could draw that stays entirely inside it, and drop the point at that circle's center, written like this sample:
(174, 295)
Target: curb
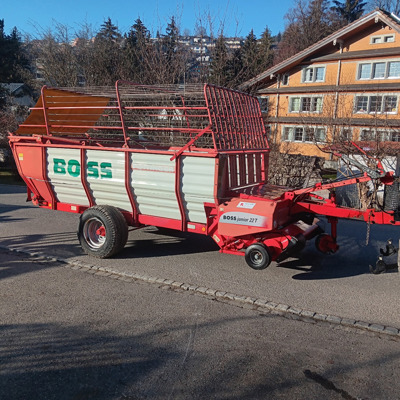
(261, 305)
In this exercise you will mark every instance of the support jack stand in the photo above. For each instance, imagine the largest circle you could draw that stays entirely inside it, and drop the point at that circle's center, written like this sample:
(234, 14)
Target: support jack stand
(381, 266)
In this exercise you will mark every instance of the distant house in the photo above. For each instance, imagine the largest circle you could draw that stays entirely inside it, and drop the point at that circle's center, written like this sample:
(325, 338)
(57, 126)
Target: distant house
(346, 86)
(17, 94)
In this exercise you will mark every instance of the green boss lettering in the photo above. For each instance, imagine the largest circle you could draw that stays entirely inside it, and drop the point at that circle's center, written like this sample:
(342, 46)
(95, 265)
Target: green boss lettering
(59, 166)
(106, 171)
(73, 167)
(93, 169)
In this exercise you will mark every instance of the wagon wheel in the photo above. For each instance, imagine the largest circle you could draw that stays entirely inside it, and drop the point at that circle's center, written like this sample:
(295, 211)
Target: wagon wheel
(257, 256)
(326, 244)
(102, 231)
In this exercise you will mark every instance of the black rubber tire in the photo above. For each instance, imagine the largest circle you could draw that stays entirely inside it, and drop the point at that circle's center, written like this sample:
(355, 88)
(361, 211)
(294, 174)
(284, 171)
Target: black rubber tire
(257, 256)
(115, 226)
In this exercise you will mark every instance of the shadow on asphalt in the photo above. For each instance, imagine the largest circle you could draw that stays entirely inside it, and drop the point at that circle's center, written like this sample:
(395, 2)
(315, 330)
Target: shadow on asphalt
(63, 244)
(62, 362)
(166, 242)
(352, 259)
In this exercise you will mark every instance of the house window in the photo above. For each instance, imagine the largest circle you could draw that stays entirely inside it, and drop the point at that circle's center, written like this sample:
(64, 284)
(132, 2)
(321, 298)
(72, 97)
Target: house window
(379, 70)
(263, 104)
(382, 39)
(294, 104)
(394, 69)
(313, 74)
(364, 71)
(346, 134)
(367, 134)
(298, 134)
(395, 136)
(303, 134)
(380, 134)
(373, 104)
(285, 80)
(390, 104)
(286, 134)
(305, 104)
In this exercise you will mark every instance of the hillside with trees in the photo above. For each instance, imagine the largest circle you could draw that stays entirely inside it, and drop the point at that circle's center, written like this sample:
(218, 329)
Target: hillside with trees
(61, 56)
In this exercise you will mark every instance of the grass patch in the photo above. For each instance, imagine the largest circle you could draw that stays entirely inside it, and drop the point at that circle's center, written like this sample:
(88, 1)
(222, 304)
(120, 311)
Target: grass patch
(9, 177)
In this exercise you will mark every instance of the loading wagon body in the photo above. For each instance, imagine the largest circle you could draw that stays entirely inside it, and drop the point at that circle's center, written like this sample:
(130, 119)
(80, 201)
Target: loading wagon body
(191, 158)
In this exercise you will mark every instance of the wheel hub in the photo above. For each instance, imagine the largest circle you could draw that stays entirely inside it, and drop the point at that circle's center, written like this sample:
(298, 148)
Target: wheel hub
(94, 233)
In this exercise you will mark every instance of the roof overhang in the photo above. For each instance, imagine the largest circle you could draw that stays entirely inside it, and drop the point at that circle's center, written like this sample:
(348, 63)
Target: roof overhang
(335, 39)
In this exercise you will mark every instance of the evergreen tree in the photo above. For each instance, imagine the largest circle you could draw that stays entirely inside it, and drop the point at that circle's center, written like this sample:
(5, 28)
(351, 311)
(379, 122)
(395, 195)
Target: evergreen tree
(250, 50)
(219, 63)
(349, 10)
(14, 65)
(266, 51)
(138, 34)
(137, 49)
(107, 55)
(109, 32)
(170, 40)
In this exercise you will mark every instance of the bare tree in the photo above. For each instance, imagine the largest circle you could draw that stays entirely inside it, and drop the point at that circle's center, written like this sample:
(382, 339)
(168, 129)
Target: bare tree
(55, 57)
(392, 6)
(307, 23)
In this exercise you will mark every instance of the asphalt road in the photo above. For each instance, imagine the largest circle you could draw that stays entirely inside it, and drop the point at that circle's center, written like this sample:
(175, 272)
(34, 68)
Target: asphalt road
(337, 285)
(69, 335)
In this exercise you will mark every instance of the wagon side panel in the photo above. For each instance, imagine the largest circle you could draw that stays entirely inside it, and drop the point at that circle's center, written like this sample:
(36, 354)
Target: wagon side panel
(153, 184)
(106, 178)
(197, 186)
(64, 174)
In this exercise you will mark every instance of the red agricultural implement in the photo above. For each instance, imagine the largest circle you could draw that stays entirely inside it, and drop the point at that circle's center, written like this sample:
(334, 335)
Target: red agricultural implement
(189, 158)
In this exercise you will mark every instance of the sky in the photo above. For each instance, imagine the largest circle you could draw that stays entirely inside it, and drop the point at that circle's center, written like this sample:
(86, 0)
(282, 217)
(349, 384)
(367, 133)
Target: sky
(237, 17)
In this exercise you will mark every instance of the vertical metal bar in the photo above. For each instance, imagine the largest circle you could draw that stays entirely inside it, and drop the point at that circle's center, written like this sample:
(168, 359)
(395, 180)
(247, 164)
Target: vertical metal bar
(44, 104)
(178, 192)
(233, 170)
(121, 114)
(213, 124)
(84, 180)
(258, 167)
(128, 187)
(216, 179)
(250, 167)
(264, 171)
(242, 115)
(261, 125)
(185, 113)
(216, 107)
(233, 118)
(227, 119)
(253, 124)
(46, 178)
(242, 169)
(252, 131)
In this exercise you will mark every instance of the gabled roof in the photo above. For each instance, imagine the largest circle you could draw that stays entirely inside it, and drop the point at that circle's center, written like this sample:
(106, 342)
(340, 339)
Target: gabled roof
(12, 87)
(378, 15)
